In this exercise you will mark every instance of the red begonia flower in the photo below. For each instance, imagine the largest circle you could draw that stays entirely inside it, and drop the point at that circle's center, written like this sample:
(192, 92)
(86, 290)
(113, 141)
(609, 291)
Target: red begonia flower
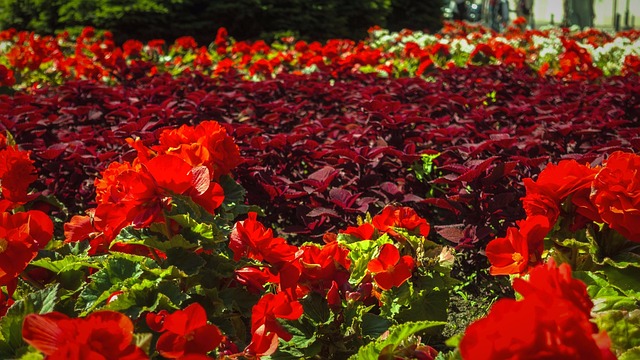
(16, 174)
(521, 249)
(616, 194)
(187, 332)
(321, 265)
(155, 321)
(400, 217)
(265, 328)
(206, 144)
(389, 269)
(21, 236)
(364, 231)
(251, 239)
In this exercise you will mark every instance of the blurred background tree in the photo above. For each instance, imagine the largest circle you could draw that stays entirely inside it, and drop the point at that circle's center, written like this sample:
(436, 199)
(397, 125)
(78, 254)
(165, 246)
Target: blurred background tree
(244, 19)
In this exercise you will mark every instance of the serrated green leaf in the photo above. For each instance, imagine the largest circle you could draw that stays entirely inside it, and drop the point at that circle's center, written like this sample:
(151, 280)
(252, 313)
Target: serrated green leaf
(68, 263)
(32, 356)
(623, 260)
(397, 334)
(374, 325)
(626, 280)
(597, 285)
(451, 355)
(631, 354)
(454, 341)
(623, 328)
(360, 253)
(234, 199)
(147, 295)
(316, 308)
(426, 305)
(143, 341)
(40, 302)
(238, 299)
(117, 270)
(185, 260)
(184, 205)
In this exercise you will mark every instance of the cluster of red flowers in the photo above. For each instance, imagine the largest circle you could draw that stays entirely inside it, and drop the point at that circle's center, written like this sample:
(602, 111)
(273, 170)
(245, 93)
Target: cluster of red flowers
(553, 322)
(323, 269)
(188, 161)
(578, 194)
(22, 233)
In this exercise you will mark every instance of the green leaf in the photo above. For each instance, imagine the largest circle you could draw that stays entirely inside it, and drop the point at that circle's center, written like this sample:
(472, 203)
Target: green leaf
(374, 325)
(39, 302)
(199, 226)
(117, 270)
(185, 260)
(631, 354)
(360, 253)
(316, 308)
(626, 280)
(623, 328)
(234, 199)
(68, 263)
(623, 260)
(32, 356)
(454, 341)
(604, 295)
(143, 341)
(147, 295)
(397, 334)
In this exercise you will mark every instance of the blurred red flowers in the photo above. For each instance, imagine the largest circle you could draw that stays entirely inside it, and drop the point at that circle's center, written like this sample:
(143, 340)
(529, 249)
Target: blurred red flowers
(101, 335)
(551, 322)
(616, 194)
(21, 236)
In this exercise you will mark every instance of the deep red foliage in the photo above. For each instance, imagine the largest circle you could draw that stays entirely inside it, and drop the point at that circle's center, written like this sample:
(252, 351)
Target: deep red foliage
(321, 151)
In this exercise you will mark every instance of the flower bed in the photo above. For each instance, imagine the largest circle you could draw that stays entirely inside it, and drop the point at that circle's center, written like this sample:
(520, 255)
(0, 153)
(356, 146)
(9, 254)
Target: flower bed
(31, 60)
(333, 214)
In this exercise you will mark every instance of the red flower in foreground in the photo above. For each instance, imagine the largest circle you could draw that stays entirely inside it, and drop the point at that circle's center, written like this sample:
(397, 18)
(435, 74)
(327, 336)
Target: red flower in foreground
(21, 236)
(400, 217)
(549, 323)
(101, 335)
(187, 332)
(389, 268)
(520, 249)
(265, 328)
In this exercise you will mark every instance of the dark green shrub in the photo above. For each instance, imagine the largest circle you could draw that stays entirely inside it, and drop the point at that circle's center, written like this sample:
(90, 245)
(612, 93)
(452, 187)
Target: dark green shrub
(244, 19)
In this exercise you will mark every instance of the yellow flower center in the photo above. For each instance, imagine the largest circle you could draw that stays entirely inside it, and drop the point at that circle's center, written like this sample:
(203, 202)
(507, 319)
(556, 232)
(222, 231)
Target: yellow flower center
(3, 245)
(517, 258)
